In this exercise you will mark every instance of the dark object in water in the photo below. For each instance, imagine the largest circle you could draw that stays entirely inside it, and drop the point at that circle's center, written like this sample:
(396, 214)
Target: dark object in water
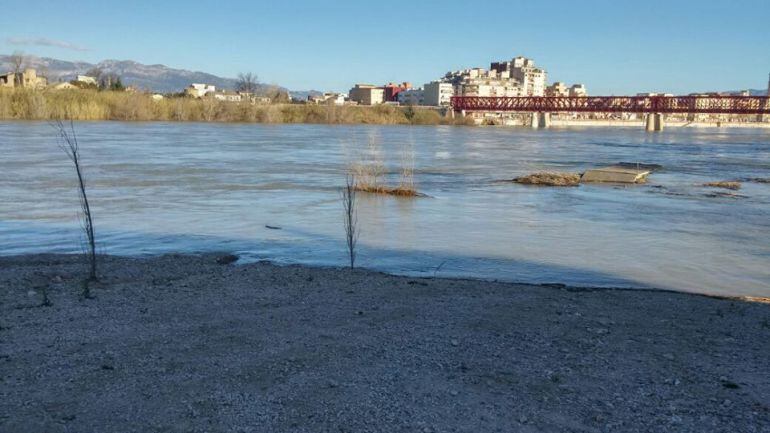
(227, 259)
(272, 227)
(639, 165)
(758, 179)
(726, 184)
(720, 194)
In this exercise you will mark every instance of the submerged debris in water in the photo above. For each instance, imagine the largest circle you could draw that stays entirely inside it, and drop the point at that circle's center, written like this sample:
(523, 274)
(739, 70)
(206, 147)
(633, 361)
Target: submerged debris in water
(720, 194)
(550, 179)
(727, 184)
(660, 189)
(758, 179)
(639, 165)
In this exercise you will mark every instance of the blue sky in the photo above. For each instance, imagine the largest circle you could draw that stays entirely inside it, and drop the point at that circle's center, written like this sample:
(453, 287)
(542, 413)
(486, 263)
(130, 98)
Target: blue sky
(614, 47)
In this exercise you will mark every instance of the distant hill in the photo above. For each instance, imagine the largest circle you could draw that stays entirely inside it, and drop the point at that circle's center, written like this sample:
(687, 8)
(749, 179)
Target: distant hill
(156, 78)
(303, 94)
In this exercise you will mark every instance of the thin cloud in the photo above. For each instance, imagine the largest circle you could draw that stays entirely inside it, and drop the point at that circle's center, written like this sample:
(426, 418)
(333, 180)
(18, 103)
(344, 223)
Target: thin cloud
(45, 42)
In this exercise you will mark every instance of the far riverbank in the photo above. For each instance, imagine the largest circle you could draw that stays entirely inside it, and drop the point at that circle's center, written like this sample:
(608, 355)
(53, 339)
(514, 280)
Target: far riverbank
(188, 343)
(92, 105)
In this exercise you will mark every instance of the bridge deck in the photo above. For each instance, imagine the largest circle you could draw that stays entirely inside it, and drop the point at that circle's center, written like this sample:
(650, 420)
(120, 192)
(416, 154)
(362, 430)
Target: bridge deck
(617, 104)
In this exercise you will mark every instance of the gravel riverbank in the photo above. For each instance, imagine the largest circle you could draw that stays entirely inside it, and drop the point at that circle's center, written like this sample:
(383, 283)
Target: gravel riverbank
(186, 344)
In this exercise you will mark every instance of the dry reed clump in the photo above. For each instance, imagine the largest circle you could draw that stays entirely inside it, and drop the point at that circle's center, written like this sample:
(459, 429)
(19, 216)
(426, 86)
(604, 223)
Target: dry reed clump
(370, 175)
(726, 184)
(550, 179)
(399, 191)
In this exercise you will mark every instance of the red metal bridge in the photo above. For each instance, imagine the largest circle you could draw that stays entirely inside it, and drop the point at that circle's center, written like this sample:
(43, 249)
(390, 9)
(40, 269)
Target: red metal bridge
(617, 104)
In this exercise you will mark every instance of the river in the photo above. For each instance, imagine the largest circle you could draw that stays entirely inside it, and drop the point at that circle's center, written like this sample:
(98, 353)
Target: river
(188, 187)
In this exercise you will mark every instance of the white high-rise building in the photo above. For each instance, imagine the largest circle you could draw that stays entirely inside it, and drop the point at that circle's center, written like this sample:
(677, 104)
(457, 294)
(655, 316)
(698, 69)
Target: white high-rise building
(523, 70)
(437, 93)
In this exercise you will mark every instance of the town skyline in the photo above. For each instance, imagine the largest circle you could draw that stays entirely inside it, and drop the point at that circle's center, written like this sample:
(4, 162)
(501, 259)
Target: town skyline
(291, 46)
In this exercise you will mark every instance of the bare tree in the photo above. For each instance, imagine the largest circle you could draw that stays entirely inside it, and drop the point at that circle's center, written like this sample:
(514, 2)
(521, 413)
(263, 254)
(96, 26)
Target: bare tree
(95, 72)
(69, 144)
(17, 61)
(247, 83)
(351, 217)
(277, 95)
(98, 76)
(111, 82)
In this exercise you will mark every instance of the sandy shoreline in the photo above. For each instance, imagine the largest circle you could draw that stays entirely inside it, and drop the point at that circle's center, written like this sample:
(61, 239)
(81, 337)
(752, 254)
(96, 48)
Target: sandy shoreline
(184, 344)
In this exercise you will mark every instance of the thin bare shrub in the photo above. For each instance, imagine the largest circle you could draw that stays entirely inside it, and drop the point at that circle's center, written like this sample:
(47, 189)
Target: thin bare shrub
(350, 217)
(369, 173)
(68, 142)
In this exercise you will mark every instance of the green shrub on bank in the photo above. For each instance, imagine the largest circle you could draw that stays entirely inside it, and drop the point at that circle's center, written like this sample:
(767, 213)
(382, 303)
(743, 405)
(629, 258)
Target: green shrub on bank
(90, 104)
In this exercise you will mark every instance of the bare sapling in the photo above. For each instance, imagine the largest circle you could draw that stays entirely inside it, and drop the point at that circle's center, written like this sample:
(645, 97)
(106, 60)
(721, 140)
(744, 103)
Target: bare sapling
(406, 184)
(350, 217)
(69, 144)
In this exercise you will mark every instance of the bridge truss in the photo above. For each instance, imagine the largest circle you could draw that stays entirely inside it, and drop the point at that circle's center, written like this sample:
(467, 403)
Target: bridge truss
(617, 104)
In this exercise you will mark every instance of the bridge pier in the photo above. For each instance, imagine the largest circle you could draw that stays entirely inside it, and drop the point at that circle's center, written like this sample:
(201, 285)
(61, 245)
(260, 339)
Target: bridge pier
(541, 120)
(654, 122)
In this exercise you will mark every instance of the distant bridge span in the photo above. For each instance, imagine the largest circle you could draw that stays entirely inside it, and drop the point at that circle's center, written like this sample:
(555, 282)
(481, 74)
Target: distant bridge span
(617, 104)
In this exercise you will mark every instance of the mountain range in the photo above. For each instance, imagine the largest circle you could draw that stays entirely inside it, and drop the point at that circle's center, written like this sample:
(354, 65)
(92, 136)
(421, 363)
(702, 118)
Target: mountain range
(156, 78)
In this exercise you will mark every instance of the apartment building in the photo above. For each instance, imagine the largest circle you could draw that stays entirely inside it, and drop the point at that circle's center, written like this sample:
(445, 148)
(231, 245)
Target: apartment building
(412, 97)
(199, 90)
(557, 89)
(437, 93)
(392, 90)
(560, 89)
(327, 98)
(367, 94)
(517, 77)
(27, 79)
(523, 70)
(578, 90)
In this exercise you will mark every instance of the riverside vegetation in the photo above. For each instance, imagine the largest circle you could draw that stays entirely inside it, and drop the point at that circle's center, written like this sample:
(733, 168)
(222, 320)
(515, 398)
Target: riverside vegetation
(85, 104)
